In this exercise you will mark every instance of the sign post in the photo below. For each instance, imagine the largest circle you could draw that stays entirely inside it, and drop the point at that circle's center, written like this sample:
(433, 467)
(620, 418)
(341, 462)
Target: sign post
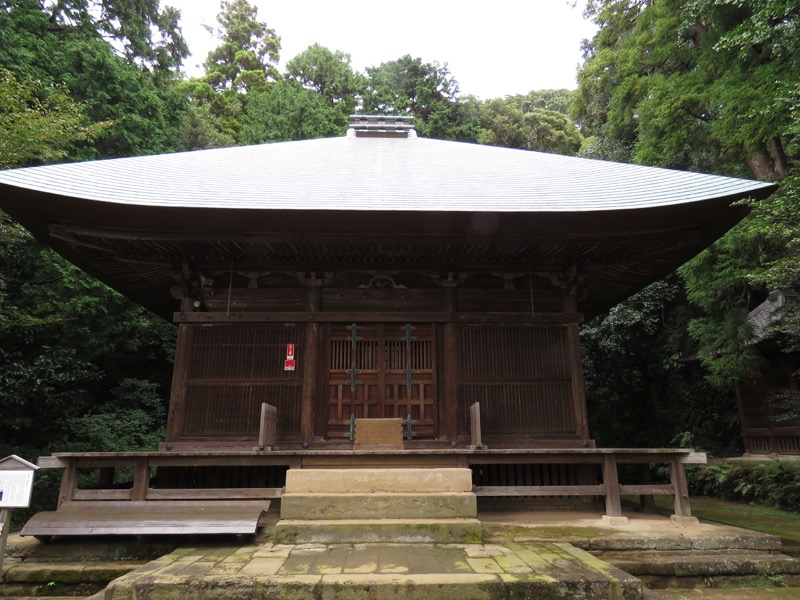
(16, 484)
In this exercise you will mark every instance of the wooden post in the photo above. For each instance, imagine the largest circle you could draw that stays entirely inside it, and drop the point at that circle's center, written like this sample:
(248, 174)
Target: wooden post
(578, 389)
(310, 378)
(141, 479)
(69, 481)
(476, 442)
(268, 429)
(180, 374)
(677, 475)
(611, 485)
(449, 405)
(311, 365)
(5, 525)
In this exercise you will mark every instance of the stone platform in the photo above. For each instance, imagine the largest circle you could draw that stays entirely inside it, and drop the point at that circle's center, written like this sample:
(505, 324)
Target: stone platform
(375, 571)
(524, 554)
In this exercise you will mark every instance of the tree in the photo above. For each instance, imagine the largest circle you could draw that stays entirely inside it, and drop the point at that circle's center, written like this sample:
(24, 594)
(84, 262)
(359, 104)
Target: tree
(139, 30)
(505, 123)
(247, 57)
(39, 123)
(70, 348)
(330, 75)
(640, 389)
(697, 84)
(426, 91)
(65, 45)
(289, 112)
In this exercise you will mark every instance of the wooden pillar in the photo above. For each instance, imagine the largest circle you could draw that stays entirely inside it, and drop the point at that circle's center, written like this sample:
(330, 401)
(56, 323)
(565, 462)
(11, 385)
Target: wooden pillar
(5, 526)
(578, 388)
(69, 481)
(677, 475)
(611, 484)
(450, 369)
(180, 375)
(311, 365)
(576, 369)
(141, 479)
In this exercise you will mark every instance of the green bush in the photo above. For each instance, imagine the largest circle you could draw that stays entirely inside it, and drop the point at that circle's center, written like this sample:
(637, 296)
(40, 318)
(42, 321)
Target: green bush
(772, 483)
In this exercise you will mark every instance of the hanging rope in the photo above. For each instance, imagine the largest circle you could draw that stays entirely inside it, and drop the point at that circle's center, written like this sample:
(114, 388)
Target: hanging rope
(530, 286)
(230, 290)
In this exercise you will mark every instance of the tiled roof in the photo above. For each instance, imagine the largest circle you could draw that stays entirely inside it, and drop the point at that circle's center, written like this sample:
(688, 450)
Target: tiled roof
(378, 174)
(769, 313)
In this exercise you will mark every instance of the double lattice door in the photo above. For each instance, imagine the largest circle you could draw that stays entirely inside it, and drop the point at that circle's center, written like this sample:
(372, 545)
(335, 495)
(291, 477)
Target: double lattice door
(381, 371)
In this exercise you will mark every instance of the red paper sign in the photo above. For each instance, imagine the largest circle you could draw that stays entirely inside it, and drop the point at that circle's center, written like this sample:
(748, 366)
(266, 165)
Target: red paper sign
(289, 351)
(288, 364)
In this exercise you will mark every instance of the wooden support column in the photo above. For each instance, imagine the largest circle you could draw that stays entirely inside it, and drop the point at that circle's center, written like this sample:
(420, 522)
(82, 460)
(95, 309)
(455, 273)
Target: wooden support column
(449, 404)
(677, 476)
(578, 388)
(576, 370)
(69, 481)
(311, 360)
(141, 479)
(177, 401)
(611, 484)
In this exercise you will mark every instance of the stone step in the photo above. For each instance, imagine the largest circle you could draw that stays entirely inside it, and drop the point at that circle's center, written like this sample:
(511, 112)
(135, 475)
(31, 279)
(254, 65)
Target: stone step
(367, 481)
(447, 505)
(68, 572)
(707, 563)
(44, 579)
(45, 591)
(41, 596)
(403, 531)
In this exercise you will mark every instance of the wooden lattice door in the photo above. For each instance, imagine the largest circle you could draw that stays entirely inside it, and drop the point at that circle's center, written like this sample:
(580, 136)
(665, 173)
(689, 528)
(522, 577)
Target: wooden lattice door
(381, 371)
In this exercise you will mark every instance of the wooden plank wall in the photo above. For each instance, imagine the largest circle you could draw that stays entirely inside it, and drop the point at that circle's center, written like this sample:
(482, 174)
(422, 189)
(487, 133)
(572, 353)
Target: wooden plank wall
(520, 375)
(231, 354)
(231, 371)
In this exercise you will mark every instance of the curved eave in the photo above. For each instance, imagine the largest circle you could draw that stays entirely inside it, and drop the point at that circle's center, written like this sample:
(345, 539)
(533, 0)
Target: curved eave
(377, 175)
(395, 188)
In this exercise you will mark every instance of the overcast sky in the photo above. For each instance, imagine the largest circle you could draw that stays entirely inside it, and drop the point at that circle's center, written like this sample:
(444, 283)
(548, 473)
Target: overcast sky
(493, 49)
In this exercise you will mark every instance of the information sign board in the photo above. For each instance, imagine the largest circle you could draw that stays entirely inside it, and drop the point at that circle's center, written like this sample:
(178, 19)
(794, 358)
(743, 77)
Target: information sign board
(15, 488)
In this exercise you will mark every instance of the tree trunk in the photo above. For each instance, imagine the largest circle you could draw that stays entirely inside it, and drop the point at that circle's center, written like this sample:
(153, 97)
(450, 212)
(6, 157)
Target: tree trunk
(769, 163)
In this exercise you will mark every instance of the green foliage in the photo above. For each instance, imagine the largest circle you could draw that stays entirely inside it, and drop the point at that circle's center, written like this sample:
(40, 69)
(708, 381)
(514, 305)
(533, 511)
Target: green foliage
(330, 75)
(696, 84)
(427, 91)
(770, 483)
(249, 51)
(66, 343)
(132, 420)
(506, 123)
(639, 391)
(131, 93)
(288, 112)
(731, 277)
(556, 100)
(39, 123)
(201, 129)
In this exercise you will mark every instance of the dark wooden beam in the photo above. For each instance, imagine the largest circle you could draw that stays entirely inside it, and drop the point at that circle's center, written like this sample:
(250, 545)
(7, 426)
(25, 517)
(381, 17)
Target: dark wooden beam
(373, 317)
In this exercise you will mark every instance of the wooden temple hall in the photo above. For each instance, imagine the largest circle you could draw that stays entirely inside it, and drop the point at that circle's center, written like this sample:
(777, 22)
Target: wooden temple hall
(373, 301)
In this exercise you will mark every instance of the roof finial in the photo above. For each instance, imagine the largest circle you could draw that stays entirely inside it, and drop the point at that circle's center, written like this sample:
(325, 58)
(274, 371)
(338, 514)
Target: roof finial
(392, 126)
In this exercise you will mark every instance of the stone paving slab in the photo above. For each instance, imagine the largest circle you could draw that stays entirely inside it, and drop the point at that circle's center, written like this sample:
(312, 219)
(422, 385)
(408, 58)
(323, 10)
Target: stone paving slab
(377, 571)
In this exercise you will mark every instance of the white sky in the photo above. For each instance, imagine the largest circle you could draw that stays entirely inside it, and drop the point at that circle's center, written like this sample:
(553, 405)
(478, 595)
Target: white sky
(493, 49)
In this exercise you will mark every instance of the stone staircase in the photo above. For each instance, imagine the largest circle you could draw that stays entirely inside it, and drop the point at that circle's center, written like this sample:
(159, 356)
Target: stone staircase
(329, 506)
(736, 567)
(70, 570)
